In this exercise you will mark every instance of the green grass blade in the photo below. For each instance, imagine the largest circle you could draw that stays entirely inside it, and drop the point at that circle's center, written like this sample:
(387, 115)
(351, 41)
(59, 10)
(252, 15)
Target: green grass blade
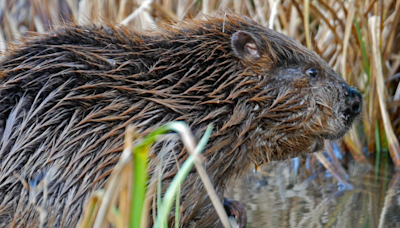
(363, 48)
(140, 178)
(187, 166)
(378, 150)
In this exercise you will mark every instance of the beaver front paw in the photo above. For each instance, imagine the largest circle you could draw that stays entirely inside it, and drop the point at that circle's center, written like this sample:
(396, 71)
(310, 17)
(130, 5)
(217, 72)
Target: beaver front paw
(236, 209)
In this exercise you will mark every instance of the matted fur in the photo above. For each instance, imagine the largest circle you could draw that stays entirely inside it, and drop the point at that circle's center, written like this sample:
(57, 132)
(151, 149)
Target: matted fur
(66, 97)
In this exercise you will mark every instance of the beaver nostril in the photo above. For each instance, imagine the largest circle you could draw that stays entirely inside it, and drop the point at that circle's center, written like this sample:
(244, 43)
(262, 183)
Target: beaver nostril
(354, 101)
(356, 107)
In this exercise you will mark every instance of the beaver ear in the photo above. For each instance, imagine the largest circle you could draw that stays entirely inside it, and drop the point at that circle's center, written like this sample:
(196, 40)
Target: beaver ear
(244, 45)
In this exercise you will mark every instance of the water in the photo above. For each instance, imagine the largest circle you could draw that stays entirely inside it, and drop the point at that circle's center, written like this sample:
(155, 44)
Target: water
(280, 197)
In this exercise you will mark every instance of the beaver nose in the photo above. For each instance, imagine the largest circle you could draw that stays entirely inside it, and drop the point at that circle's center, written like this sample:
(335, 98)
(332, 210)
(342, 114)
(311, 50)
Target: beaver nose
(353, 101)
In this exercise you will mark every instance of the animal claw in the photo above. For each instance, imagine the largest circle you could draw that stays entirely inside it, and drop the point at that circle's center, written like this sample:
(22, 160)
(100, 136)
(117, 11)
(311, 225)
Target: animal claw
(236, 209)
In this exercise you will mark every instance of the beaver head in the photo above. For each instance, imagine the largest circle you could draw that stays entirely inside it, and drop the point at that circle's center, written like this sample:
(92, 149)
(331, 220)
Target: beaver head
(298, 100)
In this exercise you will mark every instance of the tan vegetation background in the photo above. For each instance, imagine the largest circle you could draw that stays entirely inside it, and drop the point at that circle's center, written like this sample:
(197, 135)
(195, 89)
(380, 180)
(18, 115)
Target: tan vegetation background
(359, 39)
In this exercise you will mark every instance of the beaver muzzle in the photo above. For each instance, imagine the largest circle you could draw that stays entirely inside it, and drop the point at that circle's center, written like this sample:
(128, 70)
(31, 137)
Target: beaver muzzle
(353, 101)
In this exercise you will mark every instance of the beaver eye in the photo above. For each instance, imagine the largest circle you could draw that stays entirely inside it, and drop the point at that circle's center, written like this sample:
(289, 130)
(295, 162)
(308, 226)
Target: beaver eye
(312, 72)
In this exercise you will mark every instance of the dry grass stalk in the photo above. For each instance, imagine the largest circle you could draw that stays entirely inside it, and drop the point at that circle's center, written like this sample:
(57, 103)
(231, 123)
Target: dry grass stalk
(189, 142)
(332, 169)
(394, 147)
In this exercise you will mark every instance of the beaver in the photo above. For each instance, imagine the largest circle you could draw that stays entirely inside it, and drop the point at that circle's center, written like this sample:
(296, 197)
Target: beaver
(66, 97)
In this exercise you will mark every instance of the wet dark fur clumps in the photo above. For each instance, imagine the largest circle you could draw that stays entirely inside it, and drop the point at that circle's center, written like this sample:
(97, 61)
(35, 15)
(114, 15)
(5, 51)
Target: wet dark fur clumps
(66, 97)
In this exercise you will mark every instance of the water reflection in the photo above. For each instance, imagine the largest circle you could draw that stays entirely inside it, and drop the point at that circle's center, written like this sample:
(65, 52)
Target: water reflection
(279, 197)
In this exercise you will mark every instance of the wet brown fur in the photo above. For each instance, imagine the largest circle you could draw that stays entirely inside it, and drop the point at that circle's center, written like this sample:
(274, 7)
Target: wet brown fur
(67, 96)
